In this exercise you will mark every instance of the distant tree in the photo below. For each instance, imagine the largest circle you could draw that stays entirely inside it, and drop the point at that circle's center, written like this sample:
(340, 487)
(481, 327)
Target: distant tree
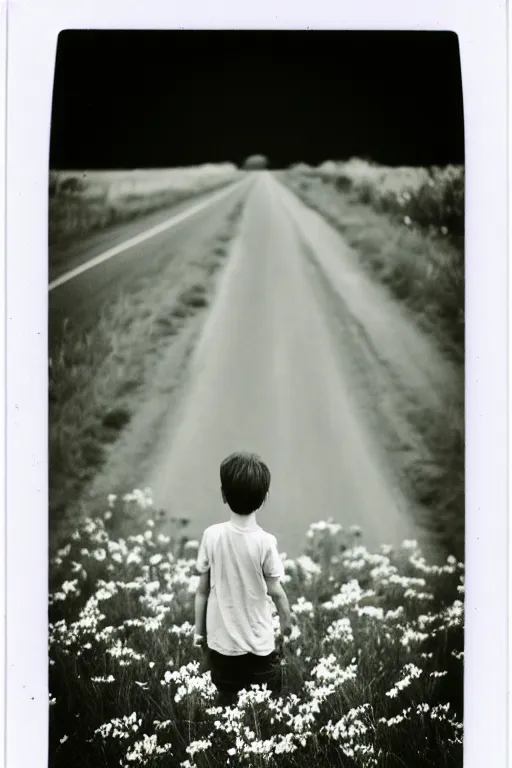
(256, 163)
(304, 167)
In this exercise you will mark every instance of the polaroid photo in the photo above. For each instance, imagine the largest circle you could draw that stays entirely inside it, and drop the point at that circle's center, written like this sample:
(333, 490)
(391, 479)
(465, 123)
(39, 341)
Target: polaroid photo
(256, 307)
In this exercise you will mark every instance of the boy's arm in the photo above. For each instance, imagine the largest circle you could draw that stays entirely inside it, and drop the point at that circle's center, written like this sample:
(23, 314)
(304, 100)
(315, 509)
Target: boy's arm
(278, 595)
(201, 602)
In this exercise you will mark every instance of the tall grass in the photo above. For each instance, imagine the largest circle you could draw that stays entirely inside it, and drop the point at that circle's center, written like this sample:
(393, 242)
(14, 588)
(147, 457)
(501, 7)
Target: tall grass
(429, 198)
(99, 377)
(81, 203)
(373, 671)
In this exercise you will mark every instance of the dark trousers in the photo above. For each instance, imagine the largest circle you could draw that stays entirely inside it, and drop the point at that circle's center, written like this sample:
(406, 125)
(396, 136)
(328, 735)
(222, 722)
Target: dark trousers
(230, 674)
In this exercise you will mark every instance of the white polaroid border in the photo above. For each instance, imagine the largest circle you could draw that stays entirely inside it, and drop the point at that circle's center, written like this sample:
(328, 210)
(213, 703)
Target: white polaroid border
(3, 520)
(33, 26)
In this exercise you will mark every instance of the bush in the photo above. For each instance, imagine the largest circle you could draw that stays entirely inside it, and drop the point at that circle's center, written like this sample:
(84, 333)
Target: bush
(373, 669)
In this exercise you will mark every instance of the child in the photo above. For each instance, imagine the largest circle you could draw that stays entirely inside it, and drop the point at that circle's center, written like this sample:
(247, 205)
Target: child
(239, 567)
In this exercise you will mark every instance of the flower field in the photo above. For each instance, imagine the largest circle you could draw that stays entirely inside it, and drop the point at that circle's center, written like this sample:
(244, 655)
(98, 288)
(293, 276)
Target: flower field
(373, 670)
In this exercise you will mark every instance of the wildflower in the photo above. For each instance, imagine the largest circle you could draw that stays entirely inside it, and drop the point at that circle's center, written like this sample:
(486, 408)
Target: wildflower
(201, 745)
(392, 615)
(109, 679)
(439, 712)
(302, 606)
(454, 614)
(309, 567)
(64, 552)
(412, 636)
(371, 611)
(64, 739)
(349, 594)
(340, 630)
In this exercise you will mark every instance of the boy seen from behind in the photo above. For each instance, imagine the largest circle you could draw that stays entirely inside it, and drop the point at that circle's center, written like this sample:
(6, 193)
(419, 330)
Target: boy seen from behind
(239, 568)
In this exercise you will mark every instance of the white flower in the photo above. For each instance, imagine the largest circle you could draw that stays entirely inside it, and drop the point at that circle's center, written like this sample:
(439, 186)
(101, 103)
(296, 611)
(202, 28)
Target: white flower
(372, 611)
(308, 566)
(302, 606)
(340, 630)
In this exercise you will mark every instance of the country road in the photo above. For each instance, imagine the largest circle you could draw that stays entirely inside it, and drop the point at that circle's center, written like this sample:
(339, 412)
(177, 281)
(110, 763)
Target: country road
(298, 347)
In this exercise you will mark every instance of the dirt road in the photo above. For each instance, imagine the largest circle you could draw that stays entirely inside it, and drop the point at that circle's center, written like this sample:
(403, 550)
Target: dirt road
(294, 330)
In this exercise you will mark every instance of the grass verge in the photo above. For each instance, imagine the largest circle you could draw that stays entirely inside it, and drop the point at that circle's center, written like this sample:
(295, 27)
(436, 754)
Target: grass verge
(373, 673)
(99, 380)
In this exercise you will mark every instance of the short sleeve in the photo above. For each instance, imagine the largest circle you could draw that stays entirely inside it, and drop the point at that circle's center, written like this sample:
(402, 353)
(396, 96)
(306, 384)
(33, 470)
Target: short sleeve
(272, 564)
(203, 560)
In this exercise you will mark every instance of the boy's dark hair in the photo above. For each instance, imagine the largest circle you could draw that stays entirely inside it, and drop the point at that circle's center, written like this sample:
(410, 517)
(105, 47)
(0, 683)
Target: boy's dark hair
(245, 481)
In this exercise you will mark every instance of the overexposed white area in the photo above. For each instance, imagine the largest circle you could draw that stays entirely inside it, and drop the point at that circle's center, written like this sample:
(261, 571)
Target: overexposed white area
(3, 97)
(33, 26)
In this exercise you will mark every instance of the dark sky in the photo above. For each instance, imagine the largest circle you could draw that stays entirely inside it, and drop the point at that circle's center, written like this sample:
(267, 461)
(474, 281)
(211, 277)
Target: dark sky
(150, 99)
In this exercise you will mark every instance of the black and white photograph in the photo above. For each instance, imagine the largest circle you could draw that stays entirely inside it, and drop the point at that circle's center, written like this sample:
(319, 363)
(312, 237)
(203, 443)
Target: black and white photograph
(256, 430)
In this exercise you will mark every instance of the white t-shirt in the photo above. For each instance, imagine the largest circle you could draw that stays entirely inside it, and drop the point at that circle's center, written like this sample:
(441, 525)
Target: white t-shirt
(239, 610)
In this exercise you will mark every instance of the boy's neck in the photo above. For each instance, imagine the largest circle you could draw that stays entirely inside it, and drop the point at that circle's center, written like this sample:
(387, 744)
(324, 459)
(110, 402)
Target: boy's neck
(243, 521)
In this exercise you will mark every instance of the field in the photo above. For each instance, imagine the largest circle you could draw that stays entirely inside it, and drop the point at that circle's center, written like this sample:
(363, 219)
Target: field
(88, 201)
(421, 262)
(373, 671)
